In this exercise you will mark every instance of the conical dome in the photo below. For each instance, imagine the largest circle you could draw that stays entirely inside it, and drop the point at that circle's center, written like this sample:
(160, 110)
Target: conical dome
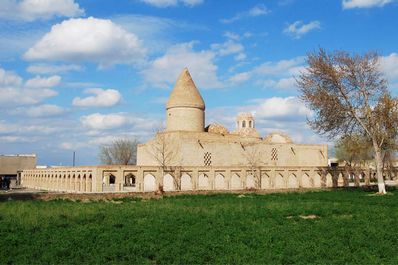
(185, 93)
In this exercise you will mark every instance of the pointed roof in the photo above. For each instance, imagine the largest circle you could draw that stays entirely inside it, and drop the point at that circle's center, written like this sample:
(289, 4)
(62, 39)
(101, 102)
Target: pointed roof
(185, 93)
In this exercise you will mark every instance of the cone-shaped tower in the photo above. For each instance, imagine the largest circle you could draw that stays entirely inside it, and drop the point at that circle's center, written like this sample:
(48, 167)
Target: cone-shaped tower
(185, 109)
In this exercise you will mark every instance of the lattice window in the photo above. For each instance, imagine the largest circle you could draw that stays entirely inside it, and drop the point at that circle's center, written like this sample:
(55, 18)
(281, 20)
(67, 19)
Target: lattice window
(207, 159)
(274, 154)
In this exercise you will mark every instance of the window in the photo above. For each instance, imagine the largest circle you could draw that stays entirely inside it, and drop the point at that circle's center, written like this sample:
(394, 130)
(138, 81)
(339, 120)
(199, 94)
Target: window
(274, 154)
(243, 124)
(112, 179)
(207, 159)
(250, 124)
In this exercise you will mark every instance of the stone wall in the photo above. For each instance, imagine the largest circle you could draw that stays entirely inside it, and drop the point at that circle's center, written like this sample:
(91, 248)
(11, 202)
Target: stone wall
(210, 149)
(98, 179)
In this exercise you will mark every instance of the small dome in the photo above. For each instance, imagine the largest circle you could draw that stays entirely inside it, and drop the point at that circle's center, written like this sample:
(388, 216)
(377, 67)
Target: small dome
(185, 93)
(278, 138)
(216, 128)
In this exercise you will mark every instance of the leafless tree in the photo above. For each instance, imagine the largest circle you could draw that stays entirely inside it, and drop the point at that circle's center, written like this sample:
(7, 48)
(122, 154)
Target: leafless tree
(162, 149)
(119, 152)
(253, 158)
(349, 95)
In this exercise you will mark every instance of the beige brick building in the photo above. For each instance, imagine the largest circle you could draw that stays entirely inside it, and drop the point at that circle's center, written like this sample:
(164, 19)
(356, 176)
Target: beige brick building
(188, 155)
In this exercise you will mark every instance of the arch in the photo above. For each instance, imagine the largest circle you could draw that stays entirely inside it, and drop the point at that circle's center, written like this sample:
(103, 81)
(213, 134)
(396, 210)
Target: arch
(236, 183)
(250, 182)
(329, 180)
(243, 124)
(203, 182)
(279, 182)
(250, 124)
(292, 181)
(265, 181)
(219, 182)
(186, 182)
(77, 187)
(83, 183)
(149, 183)
(89, 183)
(112, 179)
(129, 180)
(306, 181)
(340, 180)
(317, 180)
(168, 183)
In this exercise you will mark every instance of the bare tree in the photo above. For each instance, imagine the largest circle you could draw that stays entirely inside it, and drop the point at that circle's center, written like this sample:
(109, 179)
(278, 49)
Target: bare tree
(349, 95)
(354, 149)
(119, 152)
(253, 158)
(163, 151)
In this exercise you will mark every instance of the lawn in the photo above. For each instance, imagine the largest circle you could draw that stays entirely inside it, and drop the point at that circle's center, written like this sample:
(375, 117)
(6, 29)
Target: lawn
(342, 226)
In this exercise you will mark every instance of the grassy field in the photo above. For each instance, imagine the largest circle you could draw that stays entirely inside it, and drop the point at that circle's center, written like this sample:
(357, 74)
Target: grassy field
(315, 227)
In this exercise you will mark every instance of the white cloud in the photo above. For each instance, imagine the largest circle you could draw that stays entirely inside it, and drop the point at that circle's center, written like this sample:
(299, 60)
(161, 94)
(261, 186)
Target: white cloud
(258, 10)
(30, 10)
(241, 77)
(289, 67)
(14, 92)
(389, 66)
(227, 48)
(277, 108)
(53, 69)
(43, 82)
(169, 3)
(88, 39)
(163, 71)
(99, 122)
(347, 4)
(298, 28)
(46, 110)
(101, 98)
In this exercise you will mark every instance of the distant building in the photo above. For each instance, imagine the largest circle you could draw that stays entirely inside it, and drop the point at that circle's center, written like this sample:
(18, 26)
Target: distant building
(11, 167)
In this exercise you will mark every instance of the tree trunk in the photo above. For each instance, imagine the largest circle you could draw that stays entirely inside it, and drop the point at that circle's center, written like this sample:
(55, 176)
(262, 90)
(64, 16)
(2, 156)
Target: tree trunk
(379, 168)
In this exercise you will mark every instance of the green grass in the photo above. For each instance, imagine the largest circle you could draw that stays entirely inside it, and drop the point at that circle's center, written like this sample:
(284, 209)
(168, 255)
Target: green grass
(352, 227)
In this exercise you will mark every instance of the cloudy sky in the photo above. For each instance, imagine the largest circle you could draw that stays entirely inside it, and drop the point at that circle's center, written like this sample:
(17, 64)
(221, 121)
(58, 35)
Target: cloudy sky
(75, 74)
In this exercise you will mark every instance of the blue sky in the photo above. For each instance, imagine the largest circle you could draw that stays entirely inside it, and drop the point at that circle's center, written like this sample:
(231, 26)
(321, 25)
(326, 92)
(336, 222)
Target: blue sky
(75, 74)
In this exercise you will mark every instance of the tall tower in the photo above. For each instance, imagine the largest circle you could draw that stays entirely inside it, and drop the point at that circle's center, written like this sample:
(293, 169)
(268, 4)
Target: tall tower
(245, 125)
(185, 109)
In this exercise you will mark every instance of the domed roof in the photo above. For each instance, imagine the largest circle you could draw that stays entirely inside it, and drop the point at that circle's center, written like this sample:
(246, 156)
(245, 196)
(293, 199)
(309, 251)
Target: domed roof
(278, 138)
(185, 93)
(216, 128)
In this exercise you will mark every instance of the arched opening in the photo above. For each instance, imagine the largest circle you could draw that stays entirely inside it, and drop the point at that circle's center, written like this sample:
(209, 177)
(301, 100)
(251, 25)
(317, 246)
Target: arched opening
(236, 183)
(340, 180)
(329, 180)
(317, 180)
(306, 181)
(243, 124)
(129, 180)
(168, 183)
(279, 182)
(149, 183)
(250, 182)
(203, 182)
(186, 182)
(219, 182)
(250, 124)
(265, 181)
(292, 182)
(112, 179)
